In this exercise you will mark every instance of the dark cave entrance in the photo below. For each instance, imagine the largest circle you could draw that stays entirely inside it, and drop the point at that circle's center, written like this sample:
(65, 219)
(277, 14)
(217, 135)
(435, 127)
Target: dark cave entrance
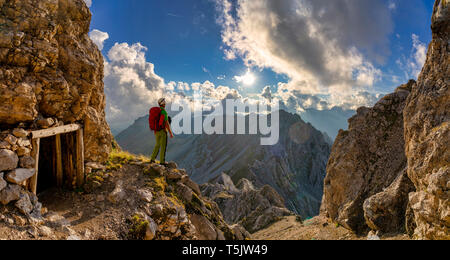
(59, 155)
(47, 165)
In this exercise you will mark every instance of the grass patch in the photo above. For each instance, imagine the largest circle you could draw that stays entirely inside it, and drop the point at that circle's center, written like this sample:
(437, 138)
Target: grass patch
(118, 158)
(138, 227)
(160, 184)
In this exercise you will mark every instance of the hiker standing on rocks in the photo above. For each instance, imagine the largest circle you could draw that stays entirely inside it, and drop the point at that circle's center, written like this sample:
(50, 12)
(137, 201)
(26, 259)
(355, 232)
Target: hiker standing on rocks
(159, 124)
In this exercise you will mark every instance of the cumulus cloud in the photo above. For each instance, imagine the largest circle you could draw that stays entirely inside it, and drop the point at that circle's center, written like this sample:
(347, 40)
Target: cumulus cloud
(419, 56)
(296, 101)
(98, 37)
(132, 87)
(328, 49)
(267, 93)
(131, 84)
(88, 3)
(318, 43)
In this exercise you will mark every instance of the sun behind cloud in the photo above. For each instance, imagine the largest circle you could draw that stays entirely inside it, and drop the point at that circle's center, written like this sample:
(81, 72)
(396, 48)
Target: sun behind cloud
(247, 79)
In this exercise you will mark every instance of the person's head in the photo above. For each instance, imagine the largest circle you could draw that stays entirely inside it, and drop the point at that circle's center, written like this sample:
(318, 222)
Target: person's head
(162, 102)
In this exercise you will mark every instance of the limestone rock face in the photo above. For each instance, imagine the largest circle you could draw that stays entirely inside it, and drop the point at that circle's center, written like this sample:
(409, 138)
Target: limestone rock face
(252, 208)
(365, 159)
(51, 69)
(427, 134)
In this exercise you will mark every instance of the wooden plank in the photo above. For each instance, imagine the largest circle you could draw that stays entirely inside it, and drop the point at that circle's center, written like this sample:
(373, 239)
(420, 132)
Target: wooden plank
(80, 157)
(55, 131)
(35, 154)
(70, 165)
(65, 149)
(59, 169)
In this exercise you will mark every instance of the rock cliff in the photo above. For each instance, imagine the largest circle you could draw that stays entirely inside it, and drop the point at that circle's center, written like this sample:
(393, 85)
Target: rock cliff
(366, 159)
(427, 133)
(390, 171)
(51, 73)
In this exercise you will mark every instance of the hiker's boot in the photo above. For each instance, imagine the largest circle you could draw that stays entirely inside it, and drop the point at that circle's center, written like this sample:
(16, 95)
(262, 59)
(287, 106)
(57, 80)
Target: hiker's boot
(164, 164)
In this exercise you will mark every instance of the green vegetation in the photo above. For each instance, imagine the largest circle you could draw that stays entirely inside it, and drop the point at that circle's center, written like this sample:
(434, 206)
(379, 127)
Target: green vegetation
(138, 227)
(160, 184)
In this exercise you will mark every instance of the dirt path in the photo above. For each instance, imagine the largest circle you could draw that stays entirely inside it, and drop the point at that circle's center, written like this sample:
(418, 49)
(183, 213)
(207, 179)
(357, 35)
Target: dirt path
(72, 215)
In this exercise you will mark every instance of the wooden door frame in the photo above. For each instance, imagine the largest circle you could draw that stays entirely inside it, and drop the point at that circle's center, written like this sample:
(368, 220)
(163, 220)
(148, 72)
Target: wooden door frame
(57, 132)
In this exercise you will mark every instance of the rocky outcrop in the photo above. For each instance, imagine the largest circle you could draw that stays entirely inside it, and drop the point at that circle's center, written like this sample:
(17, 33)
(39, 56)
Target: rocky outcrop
(252, 208)
(51, 73)
(385, 211)
(166, 204)
(427, 134)
(365, 160)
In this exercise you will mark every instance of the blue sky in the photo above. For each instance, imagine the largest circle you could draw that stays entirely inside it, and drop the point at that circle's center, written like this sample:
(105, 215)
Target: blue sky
(182, 36)
(185, 43)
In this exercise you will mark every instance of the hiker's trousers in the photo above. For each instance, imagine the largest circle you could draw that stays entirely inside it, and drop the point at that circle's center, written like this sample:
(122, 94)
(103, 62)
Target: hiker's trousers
(161, 143)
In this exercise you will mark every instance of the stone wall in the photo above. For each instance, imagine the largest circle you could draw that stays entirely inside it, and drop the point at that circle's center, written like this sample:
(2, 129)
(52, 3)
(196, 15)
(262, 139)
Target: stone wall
(16, 168)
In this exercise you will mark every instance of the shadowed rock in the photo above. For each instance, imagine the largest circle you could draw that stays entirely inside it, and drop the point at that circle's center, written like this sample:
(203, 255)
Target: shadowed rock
(427, 133)
(366, 159)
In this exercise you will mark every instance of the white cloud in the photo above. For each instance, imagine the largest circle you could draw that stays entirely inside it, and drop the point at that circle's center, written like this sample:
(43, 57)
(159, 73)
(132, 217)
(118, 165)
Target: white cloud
(316, 42)
(267, 93)
(132, 87)
(88, 3)
(296, 101)
(131, 84)
(328, 49)
(98, 37)
(419, 56)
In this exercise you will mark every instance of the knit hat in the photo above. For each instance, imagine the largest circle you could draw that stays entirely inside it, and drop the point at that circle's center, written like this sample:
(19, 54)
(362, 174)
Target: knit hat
(161, 101)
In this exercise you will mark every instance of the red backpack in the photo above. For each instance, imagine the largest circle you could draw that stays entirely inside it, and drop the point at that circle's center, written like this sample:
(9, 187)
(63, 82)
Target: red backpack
(156, 119)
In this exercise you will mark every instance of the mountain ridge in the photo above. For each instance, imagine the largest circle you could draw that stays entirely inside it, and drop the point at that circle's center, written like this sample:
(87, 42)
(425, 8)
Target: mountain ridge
(299, 182)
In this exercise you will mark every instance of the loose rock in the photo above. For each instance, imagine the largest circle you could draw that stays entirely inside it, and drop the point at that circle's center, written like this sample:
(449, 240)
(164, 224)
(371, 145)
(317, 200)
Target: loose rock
(118, 194)
(3, 183)
(152, 228)
(145, 195)
(20, 133)
(24, 204)
(8, 160)
(18, 176)
(27, 162)
(10, 193)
